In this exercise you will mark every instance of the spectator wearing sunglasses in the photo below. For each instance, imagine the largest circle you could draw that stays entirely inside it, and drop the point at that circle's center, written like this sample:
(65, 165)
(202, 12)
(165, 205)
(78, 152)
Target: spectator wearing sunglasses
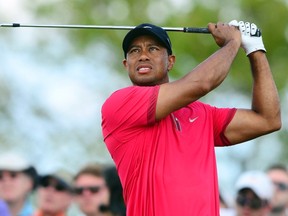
(18, 179)
(54, 194)
(278, 174)
(90, 191)
(254, 194)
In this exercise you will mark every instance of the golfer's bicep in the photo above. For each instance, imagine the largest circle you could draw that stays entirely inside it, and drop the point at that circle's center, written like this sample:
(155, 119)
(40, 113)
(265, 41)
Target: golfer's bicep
(245, 125)
(170, 98)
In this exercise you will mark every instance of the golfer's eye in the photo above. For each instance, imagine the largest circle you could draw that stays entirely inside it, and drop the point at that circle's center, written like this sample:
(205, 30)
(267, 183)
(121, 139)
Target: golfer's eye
(134, 50)
(153, 48)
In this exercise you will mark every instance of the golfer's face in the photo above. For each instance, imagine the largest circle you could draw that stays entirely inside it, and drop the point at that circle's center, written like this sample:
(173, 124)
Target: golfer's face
(148, 62)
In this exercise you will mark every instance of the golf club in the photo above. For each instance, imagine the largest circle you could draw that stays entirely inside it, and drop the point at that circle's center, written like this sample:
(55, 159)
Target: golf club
(176, 29)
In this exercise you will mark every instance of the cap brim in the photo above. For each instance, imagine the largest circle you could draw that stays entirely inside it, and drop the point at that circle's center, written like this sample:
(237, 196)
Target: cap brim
(13, 162)
(14, 168)
(60, 180)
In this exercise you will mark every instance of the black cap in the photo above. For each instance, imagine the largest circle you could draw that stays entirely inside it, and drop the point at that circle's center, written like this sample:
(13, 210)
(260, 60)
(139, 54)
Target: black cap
(147, 29)
(63, 178)
(31, 171)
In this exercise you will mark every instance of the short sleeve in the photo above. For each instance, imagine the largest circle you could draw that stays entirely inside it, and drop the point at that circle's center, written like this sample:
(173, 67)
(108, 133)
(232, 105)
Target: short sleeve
(221, 118)
(130, 107)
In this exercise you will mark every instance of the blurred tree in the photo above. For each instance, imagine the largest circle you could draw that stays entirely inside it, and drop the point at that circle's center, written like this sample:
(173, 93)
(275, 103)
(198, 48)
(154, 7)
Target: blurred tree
(191, 49)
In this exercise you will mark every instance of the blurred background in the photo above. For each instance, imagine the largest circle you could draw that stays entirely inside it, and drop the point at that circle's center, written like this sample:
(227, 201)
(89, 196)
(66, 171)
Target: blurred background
(53, 81)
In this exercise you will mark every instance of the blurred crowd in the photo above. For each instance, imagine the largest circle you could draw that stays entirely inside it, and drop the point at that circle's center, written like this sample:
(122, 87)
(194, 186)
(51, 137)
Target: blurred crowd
(259, 193)
(95, 190)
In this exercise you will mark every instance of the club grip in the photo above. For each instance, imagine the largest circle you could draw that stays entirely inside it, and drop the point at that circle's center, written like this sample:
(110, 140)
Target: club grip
(206, 31)
(196, 30)
(15, 25)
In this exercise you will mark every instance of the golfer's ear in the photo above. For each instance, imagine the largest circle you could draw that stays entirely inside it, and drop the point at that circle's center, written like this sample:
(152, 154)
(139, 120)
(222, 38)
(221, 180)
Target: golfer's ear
(172, 60)
(124, 63)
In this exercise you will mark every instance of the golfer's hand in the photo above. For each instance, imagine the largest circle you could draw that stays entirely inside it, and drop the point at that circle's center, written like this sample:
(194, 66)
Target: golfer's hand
(223, 33)
(251, 40)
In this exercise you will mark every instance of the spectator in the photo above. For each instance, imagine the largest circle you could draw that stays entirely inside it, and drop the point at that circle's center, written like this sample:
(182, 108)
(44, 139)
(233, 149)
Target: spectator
(54, 194)
(278, 174)
(254, 194)
(90, 190)
(18, 179)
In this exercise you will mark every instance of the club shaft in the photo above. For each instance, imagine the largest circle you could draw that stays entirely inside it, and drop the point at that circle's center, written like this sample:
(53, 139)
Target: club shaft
(110, 27)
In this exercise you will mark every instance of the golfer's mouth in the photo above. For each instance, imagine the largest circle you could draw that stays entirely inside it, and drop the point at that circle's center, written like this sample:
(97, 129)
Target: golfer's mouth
(144, 69)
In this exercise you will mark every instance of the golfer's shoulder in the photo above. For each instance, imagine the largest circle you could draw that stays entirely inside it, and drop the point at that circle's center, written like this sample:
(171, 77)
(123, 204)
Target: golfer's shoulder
(123, 92)
(119, 95)
(133, 91)
(131, 94)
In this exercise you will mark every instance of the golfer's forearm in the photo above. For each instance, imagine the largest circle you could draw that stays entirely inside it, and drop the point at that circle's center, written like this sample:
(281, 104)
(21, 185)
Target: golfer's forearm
(197, 83)
(265, 99)
(214, 70)
(206, 76)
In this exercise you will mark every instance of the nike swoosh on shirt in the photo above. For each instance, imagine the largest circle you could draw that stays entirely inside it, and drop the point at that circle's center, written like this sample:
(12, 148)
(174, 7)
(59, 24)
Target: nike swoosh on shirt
(193, 119)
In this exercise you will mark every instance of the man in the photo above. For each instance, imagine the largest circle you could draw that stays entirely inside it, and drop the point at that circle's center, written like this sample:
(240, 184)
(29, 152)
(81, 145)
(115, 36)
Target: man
(254, 194)
(279, 176)
(91, 192)
(18, 179)
(162, 138)
(54, 195)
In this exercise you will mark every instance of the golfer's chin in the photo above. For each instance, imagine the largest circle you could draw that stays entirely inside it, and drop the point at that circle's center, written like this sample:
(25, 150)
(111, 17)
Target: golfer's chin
(148, 80)
(143, 84)
(144, 81)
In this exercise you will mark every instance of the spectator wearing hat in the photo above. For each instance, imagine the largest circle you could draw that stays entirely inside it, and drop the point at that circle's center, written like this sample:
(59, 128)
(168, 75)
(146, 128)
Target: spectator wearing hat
(18, 179)
(54, 194)
(254, 194)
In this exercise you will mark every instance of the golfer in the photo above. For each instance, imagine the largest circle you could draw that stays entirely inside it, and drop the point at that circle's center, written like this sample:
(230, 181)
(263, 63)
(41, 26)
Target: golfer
(162, 138)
